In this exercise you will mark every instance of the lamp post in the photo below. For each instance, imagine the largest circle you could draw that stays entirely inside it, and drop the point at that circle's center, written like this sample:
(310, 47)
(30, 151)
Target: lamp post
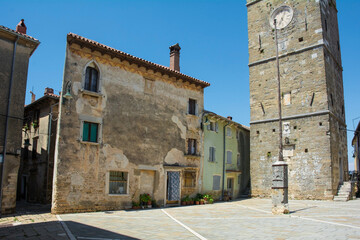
(279, 190)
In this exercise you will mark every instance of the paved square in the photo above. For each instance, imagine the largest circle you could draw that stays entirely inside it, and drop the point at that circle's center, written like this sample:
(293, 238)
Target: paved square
(243, 219)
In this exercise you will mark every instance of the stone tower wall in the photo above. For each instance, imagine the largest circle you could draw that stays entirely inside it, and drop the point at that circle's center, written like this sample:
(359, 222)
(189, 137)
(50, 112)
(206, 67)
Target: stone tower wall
(312, 99)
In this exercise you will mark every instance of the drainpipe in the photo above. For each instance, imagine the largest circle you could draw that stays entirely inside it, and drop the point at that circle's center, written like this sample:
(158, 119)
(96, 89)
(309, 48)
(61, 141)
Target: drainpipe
(224, 163)
(2, 161)
(48, 146)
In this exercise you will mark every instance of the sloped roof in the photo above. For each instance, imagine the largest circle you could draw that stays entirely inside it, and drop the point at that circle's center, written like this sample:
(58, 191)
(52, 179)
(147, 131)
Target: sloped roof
(226, 119)
(74, 38)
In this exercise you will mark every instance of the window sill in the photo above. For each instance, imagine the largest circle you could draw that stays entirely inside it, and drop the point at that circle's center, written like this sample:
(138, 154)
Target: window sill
(118, 195)
(190, 156)
(90, 93)
(90, 143)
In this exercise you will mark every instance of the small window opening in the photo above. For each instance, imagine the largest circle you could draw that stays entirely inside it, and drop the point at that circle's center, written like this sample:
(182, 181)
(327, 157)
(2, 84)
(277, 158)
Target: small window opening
(257, 132)
(338, 45)
(192, 106)
(295, 127)
(342, 110)
(273, 129)
(320, 123)
(332, 100)
(325, 25)
(306, 150)
(301, 39)
(91, 79)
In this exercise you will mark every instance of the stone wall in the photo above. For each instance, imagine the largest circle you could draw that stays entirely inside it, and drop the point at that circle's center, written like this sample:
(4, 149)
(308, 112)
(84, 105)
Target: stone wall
(144, 130)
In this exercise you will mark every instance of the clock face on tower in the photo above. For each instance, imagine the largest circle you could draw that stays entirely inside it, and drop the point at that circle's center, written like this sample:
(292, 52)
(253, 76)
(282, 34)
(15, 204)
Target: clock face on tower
(283, 16)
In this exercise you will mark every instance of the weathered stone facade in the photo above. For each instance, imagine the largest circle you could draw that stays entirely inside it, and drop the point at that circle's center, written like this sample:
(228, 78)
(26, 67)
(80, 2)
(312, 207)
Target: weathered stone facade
(37, 157)
(15, 51)
(144, 126)
(312, 98)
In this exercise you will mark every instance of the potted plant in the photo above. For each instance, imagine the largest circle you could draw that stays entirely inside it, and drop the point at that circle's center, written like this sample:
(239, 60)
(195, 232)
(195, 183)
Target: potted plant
(197, 201)
(135, 205)
(192, 200)
(187, 200)
(183, 201)
(145, 199)
(35, 124)
(202, 201)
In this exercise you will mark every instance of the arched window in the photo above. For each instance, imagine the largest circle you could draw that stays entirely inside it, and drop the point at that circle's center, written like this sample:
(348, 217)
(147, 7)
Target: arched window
(91, 79)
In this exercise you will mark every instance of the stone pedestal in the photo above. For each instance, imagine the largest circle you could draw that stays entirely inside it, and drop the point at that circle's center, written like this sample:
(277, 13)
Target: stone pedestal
(279, 191)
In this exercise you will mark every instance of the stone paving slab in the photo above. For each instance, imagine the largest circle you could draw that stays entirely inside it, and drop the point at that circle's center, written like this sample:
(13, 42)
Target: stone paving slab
(31, 221)
(246, 219)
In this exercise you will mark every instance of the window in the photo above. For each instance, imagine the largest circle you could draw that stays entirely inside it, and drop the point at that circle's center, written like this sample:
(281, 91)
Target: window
(192, 107)
(211, 154)
(216, 182)
(118, 182)
(91, 79)
(213, 126)
(228, 157)
(228, 131)
(191, 146)
(238, 159)
(189, 178)
(90, 132)
(34, 148)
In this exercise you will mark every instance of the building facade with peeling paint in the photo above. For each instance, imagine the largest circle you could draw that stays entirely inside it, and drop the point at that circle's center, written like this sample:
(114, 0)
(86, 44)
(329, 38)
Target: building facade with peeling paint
(226, 171)
(126, 127)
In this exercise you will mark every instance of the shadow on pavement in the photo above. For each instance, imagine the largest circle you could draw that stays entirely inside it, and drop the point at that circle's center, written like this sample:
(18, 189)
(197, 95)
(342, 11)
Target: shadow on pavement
(81, 231)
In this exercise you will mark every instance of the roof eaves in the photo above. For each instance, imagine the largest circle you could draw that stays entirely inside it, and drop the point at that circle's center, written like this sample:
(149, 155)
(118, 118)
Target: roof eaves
(122, 55)
(227, 120)
(23, 36)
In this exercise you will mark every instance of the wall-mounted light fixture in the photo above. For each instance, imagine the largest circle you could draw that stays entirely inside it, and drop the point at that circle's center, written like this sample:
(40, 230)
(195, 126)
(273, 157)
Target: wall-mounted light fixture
(67, 94)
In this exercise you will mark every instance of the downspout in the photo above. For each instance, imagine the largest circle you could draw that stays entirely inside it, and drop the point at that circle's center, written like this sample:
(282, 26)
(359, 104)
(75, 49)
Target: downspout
(2, 161)
(48, 147)
(224, 160)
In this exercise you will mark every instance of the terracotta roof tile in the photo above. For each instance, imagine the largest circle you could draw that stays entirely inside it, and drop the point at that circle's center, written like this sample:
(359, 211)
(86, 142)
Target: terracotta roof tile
(21, 34)
(139, 60)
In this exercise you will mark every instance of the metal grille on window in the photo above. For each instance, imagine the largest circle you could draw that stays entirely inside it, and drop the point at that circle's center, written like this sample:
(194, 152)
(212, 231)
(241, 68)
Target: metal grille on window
(118, 182)
(189, 179)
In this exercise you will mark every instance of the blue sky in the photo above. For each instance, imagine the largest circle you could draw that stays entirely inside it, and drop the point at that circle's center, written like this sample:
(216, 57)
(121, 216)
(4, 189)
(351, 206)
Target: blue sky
(212, 35)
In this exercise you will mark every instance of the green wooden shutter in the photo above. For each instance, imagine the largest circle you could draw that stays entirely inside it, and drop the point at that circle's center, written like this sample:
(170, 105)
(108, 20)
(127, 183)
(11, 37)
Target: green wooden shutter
(94, 132)
(85, 131)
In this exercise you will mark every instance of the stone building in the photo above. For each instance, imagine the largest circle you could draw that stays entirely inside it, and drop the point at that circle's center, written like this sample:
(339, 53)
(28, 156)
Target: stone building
(126, 127)
(356, 145)
(15, 50)
(312, 96)
(37, 158)
(226, 171)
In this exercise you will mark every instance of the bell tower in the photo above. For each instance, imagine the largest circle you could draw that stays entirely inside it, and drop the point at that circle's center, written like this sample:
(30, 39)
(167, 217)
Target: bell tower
(312, 97)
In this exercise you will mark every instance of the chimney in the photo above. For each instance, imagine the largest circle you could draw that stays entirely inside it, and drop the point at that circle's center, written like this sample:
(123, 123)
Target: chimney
(21, 28)
(32, 97)
(230, 118)
(48, 91)
(175, 57)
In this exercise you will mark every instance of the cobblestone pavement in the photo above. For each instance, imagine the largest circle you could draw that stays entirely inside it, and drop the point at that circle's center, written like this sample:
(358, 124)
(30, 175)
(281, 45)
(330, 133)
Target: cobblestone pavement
(245, 219)
(31, 221)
